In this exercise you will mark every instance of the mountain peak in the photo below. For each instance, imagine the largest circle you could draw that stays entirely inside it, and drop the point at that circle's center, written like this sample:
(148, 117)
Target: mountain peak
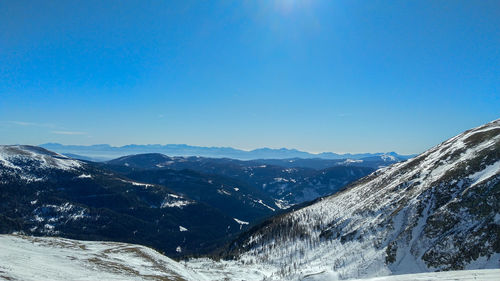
(25, 157)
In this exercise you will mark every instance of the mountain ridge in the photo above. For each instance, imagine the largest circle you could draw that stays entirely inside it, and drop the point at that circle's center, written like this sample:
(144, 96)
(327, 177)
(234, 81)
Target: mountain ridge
(107, 152)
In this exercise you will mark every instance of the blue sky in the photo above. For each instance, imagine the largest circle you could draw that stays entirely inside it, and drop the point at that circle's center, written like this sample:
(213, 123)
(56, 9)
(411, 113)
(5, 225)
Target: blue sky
(341, 76)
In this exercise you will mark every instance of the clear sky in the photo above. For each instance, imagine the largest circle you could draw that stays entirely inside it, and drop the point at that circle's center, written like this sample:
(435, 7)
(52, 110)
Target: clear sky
(340, 76)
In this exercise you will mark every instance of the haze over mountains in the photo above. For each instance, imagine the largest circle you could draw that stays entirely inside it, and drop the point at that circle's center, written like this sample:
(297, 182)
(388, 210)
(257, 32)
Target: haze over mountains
(106, 152)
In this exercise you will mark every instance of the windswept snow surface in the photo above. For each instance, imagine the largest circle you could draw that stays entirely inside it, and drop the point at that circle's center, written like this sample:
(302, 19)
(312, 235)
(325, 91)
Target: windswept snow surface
(435, 212)
(33, 258)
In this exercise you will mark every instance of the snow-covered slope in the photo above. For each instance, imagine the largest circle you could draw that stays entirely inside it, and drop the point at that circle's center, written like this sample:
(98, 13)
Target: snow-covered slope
(438, 211)
(33, 258)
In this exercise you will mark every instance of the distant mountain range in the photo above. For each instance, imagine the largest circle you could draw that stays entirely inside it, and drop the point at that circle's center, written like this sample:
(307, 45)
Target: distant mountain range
(102, 152)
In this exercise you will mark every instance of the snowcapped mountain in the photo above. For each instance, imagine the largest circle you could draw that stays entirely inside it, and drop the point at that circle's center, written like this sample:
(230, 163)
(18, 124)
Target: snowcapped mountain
(439, 211)
(31, 163)
(44, 193)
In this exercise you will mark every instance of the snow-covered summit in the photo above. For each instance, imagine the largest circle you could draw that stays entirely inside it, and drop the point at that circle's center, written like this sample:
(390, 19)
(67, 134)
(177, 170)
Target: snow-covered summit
(14, 156)
(30, 163)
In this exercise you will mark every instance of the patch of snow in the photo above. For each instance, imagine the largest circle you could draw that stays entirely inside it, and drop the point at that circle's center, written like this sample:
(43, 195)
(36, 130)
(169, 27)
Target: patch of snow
(178, 204)
(386, 157)
(175, 201)
(264, 204)
(486, 173)
(282, 204)
(352, 161)
(137, 183)
(240, 222)
(279, 179)
(223, 192)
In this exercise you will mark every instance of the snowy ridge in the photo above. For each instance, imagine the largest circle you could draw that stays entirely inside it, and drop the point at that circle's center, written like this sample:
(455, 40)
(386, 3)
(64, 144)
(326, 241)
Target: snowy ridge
(437, 211)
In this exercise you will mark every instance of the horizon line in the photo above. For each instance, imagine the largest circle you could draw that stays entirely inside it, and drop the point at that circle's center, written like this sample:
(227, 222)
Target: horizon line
(231, 147)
